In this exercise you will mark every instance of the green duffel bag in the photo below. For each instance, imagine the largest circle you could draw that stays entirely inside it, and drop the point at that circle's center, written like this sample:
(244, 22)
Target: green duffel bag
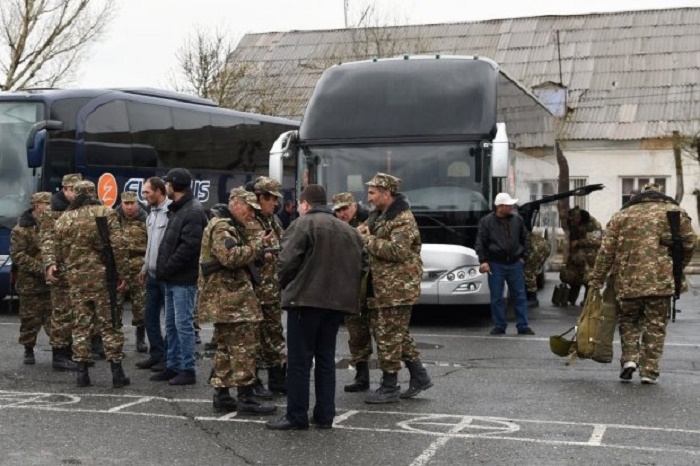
(603, 349)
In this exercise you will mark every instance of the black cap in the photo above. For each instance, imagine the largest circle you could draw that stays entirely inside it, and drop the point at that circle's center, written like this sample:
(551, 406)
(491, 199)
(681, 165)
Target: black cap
(180, 178)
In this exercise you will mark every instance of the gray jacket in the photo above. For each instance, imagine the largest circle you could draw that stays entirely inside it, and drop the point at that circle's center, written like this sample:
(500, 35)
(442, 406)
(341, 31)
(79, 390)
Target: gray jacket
(320, 263)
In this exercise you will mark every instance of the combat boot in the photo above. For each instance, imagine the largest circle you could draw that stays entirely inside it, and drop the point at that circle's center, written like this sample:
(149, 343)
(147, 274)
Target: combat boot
(29, 355)
(573, 294)
(249, 404)
(420, 380)
(259, 389)
(277, 380)
(97, 350)
(62, 360)
(532, 300)
(83, 376)
(119, 379)
(361, 382)
(388, 391)
(223, 401)
(141, 346)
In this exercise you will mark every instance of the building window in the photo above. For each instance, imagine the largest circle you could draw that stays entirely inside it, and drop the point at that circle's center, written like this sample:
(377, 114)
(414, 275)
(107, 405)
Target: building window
(637, 183)
(580, 201)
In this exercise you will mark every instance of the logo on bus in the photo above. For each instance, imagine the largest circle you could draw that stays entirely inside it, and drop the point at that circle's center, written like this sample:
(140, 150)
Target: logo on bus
(200, 188)
(107, 189)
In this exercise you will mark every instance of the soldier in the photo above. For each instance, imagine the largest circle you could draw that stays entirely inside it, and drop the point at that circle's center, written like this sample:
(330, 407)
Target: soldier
(585, 235)
(34, 293)
(80, 251)
(226, 296)
(271, 353)
(133, 221)
(539, 252)
(635, 252)
(61, 315)
(359, 335)
(393, 242)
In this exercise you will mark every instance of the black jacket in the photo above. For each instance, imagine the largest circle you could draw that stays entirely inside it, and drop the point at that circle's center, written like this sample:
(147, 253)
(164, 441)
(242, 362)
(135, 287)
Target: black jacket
(320, 263)
(178, 254)
(502, 240)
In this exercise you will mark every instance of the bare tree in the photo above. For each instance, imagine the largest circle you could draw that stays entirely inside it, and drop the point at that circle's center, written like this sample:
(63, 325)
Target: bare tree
(42, 41)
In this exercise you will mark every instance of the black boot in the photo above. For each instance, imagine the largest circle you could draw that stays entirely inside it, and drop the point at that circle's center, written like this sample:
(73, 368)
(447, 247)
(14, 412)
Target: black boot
(97, 350)
(259, 389)
(573, 294)
(277, 380)
(420, 380)
(119, 379)
(141, 346)
(223, 401)
(361, 382)
(62, 360)
(249, 404)
(532, 300)
(388, 391)
(29, 355)
(83, 376)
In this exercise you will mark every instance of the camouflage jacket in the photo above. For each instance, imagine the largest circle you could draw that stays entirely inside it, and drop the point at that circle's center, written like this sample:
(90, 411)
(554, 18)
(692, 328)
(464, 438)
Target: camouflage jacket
(635, 249)
(136, 236)
(267, 291)
(588, 237)
(47, 221)
(26, 255)
(226, 294)
(79, 246)
(395, 264)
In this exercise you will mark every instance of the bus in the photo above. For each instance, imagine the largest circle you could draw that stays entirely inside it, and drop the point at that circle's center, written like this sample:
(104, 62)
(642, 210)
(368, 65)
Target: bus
(456, 130)
(118, 138)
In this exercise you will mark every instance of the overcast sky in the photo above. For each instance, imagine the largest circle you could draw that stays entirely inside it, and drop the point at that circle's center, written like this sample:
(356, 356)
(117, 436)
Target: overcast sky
(140, 45)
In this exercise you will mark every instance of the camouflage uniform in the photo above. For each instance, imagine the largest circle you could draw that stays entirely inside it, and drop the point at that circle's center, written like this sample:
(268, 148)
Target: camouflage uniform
(635, 252)
(271, 332)
(34, 293)
(78, 247)
(61, 315)
(539, 252)
(227, 298)
(587, 233)
(136, 235)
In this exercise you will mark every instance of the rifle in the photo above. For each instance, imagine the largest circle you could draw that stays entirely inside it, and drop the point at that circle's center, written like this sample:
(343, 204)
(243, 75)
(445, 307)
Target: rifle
(676, 250)
(110, 267)
(208, 268)
(530, 210)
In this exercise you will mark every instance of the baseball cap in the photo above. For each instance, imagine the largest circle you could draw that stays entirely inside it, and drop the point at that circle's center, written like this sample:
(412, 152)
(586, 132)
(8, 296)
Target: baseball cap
(504, 199)
(179, 178)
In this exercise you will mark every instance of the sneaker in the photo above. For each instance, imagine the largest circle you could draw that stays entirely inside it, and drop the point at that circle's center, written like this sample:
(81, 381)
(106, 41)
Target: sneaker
(184, 378)
(525, 331)
(167, 374)
(649, 381)
(628, 369)
(497, 331)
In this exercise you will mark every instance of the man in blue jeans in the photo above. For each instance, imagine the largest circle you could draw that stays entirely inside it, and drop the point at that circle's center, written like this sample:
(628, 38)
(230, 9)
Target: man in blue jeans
(156, 196)
(502, 247)
(178, 268)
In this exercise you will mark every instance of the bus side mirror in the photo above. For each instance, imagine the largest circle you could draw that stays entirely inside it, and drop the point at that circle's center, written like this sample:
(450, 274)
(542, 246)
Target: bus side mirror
(281, 149)
(36, 140)
(499, 152)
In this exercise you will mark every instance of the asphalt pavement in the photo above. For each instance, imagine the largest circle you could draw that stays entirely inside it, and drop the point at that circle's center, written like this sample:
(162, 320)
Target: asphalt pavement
(496, 400)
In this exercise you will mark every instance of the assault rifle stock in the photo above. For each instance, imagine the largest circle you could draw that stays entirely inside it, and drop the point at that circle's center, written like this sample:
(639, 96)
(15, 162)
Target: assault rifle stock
(110, 267)
(529, 211)
(676, 250)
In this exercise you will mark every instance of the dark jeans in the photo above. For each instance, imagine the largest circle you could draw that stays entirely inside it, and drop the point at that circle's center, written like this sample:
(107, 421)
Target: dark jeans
(179, 326)
(155, 300)
(311, 336)
(514, 275)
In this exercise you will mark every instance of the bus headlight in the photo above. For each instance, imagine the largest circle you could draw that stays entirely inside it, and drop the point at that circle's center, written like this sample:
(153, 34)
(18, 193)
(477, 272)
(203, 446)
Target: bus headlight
(463, 273)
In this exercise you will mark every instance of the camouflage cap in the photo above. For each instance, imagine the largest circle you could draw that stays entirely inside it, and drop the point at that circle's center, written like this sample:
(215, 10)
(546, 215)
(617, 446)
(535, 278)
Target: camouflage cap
(267, 185)
(652, 187)
(70, 179)
(241, 194)
(382, 180)
(129, 196)
(41, 197)
(341, 200)
(85, 187)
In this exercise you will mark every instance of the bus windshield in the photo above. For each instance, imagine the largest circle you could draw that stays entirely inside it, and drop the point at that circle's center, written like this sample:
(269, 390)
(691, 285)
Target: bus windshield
(16, 182)
(435, 177)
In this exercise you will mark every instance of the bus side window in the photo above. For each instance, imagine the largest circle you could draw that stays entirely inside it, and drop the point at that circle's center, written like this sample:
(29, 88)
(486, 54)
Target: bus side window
(107, 137)
(152, 133)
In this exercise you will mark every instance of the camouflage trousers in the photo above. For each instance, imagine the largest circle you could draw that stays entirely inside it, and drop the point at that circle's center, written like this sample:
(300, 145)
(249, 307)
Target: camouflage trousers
(539, 253)
(389, 327)
(234, 361)
(34, 313)
(92, 315)
(359, 337)
(61, 316)
(271, 337)
(643, 331)
(137, 295)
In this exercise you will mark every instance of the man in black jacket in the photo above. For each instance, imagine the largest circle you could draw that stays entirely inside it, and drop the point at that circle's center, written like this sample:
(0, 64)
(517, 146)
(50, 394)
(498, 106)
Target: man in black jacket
(502, 247)
(319, 273)
(178, 267)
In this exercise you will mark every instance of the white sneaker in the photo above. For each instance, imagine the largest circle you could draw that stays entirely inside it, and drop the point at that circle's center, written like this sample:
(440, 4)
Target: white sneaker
(628, 369)
(648, 381)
